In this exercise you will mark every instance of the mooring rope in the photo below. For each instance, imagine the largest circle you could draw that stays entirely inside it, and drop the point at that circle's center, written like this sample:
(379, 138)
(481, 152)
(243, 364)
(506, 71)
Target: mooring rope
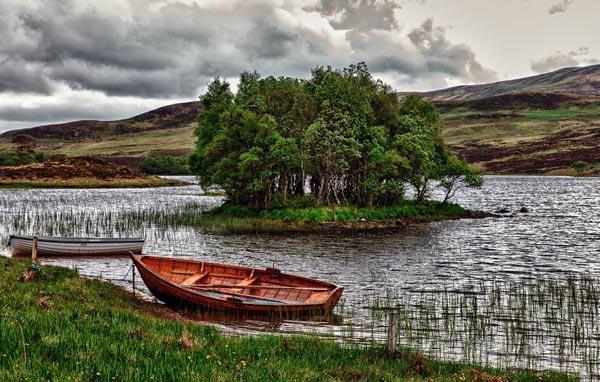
(128, 270)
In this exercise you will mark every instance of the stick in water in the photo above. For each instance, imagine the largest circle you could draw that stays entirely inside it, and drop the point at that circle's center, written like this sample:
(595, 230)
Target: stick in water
(34, 249)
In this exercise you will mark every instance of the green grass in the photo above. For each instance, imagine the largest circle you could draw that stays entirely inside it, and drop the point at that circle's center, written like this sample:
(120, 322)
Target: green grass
(565, 112)
(66, 328)
(237, 219)
(512, 129)
(408, 209)
(151, 181)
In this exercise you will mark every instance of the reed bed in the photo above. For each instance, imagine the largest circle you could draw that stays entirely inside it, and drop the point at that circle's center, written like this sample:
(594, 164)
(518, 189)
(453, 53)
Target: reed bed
(533, 323)
(63, 327)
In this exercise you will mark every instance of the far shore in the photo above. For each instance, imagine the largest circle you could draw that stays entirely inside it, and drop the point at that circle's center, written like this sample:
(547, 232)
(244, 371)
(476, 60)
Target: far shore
(82, 172)
(143, 182)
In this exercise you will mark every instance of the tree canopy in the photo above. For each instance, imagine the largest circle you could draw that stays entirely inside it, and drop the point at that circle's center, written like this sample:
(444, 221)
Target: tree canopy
(341, 136)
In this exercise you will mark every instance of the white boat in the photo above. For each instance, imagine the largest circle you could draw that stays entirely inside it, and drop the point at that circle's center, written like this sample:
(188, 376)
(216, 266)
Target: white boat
(75, 246)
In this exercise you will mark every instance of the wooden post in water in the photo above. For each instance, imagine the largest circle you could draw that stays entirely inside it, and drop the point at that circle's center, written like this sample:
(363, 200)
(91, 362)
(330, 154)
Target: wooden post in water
(30, 273)
(392, 334)
(34, 246)
(133, 278)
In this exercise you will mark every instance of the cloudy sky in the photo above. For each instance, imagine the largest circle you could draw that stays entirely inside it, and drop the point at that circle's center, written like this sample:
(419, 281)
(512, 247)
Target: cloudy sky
(62, 60)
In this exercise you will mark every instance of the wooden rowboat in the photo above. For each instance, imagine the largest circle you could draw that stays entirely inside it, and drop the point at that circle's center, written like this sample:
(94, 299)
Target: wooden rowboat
(234, 287)
(58, 246)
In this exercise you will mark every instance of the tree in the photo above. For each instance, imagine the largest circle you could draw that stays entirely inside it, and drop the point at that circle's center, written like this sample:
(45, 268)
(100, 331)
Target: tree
(341, 134)
(165, 165)
(455, 175)
(419, 139)
(579, 167)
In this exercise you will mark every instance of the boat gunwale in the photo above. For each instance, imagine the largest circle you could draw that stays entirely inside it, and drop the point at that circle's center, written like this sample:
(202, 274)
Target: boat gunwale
(102, 240)
(237, 266)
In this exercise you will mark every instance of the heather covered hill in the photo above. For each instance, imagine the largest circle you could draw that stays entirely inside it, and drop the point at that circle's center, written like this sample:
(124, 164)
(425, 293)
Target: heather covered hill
(81, 172)
(578, 82)
(167, 117)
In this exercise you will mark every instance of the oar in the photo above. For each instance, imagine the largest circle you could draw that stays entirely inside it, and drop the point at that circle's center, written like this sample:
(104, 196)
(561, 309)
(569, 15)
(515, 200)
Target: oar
(242, 296)
(214, 286)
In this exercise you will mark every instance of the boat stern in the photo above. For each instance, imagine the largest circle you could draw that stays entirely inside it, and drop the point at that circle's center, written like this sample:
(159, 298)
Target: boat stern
(334, 298)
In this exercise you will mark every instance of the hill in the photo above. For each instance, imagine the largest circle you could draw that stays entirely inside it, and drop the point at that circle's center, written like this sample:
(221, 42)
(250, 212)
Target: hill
(168, 130)
(579, 82)
(539, 124)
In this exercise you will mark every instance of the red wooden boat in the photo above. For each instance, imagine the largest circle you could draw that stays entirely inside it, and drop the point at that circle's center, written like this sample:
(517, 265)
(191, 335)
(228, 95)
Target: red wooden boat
(234, 287)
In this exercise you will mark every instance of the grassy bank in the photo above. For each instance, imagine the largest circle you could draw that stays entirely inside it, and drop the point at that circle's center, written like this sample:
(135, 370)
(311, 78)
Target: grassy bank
(151, 181)
(229, 217)
(63, 327)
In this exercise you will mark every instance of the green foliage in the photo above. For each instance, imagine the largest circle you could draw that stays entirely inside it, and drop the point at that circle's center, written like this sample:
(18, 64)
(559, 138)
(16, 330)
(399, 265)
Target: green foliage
(456, 174)
(579, 167)
(143, 182)
(22, 157)
(303, 211)
(341, 135)
(166, 165)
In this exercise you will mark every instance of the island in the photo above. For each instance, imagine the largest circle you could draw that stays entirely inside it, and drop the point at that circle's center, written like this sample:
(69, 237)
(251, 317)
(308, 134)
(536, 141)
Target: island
(340, 150)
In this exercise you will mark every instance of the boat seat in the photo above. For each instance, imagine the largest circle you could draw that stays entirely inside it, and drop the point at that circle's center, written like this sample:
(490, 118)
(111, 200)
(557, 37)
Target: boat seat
(193, 278)
(178, 272)
(246, 282)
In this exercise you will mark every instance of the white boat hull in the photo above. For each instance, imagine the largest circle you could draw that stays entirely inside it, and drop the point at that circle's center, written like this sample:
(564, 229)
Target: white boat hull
(22, 245)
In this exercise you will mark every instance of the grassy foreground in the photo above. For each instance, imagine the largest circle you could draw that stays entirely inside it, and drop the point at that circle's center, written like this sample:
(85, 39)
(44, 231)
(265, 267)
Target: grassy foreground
(229, 217)
(66, 328)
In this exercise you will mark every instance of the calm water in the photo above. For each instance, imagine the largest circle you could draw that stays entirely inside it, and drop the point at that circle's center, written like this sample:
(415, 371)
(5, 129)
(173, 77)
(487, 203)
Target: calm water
(559, 236)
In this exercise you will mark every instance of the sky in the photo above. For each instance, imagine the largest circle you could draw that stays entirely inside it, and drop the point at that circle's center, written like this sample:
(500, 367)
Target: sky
(63, 60)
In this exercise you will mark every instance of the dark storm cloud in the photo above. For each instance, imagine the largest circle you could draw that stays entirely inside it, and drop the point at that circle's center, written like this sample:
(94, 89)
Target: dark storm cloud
(172, 48)
(166, 51)
(427, 51)
(268, 41)
(44, 113)
(359, 14)
(17, 76)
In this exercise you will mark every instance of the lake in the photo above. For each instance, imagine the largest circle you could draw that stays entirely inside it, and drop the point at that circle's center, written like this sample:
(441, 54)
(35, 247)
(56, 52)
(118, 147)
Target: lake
(556, 241)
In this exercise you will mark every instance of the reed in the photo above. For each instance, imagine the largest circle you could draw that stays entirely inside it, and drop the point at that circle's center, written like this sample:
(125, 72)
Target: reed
(533, 323)
(63, 327)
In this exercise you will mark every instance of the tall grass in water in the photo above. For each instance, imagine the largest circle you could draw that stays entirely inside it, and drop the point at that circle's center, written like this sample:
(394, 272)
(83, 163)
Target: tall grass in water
(206, 215)
(63, 327)
(537, 323)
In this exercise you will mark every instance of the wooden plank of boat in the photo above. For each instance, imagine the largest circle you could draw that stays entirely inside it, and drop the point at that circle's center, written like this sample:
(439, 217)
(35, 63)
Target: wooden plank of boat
(234, 287)
(224, 286)
(57, 246)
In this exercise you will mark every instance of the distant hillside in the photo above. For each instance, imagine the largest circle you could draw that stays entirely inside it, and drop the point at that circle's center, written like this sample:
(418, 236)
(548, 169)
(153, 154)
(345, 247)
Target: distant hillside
(539, 124)
(168, 130)
(167, 117)
(583, 82)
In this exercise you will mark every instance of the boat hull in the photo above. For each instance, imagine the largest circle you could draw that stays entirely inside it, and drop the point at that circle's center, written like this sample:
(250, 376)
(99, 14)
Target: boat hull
(22, 246)
(171, 293)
